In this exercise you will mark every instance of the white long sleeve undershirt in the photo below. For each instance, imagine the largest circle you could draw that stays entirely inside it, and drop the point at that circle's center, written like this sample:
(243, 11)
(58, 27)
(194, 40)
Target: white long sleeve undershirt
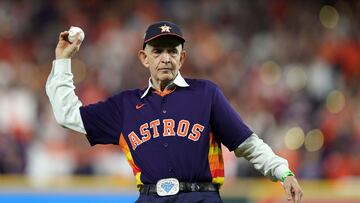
(65, 104)
(60, 90)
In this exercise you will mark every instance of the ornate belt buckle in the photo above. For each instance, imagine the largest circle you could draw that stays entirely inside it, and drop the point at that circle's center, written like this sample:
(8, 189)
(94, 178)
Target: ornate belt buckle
(167, 186)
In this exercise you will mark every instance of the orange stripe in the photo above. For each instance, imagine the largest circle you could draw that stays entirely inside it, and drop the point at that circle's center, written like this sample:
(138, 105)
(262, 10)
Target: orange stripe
(125, 149)
(216, 162)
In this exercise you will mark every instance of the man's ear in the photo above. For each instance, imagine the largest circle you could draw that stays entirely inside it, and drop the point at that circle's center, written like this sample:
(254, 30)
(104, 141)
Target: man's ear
(182, 57)
(143, 58)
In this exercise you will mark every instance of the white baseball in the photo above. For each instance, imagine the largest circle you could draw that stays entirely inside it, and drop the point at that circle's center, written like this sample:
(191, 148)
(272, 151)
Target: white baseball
(73, 31)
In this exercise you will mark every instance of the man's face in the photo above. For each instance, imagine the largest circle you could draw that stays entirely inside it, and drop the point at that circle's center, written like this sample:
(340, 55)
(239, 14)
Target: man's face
(164, 57)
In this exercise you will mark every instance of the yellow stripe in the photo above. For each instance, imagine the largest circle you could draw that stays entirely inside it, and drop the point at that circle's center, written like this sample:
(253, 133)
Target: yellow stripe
(128, 156)
(218, 180)
(138, 180)
(214, 151)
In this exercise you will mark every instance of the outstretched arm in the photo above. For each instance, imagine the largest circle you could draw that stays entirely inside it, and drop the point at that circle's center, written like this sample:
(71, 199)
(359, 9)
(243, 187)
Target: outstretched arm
(60, 87)
(268, 163)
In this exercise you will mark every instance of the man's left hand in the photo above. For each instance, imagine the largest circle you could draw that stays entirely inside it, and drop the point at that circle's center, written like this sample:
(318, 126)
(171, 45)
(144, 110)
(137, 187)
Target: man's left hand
(293, 189)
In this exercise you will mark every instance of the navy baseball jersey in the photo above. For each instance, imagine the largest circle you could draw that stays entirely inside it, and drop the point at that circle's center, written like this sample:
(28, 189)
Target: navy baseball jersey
(168, 134)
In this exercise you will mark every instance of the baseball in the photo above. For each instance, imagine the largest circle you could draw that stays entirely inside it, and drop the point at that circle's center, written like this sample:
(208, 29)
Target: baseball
(73, 31)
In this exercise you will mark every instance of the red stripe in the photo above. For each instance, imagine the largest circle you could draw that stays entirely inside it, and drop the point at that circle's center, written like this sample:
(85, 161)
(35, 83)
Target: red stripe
(218, 173)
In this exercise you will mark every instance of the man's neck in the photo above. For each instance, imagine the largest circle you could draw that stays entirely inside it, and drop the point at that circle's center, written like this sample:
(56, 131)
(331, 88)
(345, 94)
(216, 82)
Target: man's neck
(161, 85)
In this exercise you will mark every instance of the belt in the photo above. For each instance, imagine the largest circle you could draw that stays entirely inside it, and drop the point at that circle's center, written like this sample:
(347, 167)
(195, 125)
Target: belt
(183, 187)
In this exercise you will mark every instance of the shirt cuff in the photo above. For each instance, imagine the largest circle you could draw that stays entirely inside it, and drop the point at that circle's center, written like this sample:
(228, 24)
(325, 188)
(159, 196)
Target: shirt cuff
(61, 66)
(281, 171)
(286, 174)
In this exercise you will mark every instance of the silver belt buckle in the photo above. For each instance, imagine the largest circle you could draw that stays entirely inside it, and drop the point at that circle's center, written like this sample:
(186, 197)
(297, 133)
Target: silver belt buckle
(167, 186)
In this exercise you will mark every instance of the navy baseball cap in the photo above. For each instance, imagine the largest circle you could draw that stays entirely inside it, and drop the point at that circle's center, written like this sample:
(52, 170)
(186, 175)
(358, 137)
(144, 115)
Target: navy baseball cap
(163, 28)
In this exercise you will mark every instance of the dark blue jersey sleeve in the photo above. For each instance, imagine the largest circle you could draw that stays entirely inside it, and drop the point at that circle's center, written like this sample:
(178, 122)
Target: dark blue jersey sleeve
(226, 123)
(103, 121)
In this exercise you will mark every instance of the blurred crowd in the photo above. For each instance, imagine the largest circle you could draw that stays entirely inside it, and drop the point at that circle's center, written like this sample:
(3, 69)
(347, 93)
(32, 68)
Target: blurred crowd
(290, 68)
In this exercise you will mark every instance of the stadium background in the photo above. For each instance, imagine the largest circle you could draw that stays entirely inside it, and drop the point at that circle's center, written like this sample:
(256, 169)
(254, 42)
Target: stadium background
(290, 68)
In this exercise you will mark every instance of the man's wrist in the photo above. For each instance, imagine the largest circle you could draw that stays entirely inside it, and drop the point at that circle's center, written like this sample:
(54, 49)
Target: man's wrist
(286, 174)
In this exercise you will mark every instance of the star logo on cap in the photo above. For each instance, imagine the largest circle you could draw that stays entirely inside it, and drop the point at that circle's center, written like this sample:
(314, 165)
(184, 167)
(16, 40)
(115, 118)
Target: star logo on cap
(165, 28)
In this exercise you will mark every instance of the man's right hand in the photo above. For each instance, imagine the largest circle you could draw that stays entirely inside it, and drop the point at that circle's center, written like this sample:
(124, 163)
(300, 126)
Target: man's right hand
(66, 49)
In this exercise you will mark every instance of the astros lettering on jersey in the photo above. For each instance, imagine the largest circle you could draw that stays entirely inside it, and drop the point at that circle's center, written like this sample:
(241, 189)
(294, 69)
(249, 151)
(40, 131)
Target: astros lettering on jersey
(169, 124)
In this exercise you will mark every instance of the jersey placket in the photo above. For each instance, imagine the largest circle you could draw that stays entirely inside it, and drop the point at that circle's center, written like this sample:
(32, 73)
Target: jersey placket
(163, 115)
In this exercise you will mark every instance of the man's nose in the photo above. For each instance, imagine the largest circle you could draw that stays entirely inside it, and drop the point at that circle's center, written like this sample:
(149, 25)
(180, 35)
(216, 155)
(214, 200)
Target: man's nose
(165, 58)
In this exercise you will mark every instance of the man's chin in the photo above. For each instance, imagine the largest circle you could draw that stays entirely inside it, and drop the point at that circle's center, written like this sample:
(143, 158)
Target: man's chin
(166, 77)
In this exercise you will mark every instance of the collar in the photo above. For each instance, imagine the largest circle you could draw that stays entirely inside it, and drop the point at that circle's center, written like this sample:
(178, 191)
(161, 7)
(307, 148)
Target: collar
(179, 81)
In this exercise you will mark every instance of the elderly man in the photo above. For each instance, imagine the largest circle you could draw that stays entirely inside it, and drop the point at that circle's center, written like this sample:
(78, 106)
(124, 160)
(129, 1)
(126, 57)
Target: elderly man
(172, 131)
